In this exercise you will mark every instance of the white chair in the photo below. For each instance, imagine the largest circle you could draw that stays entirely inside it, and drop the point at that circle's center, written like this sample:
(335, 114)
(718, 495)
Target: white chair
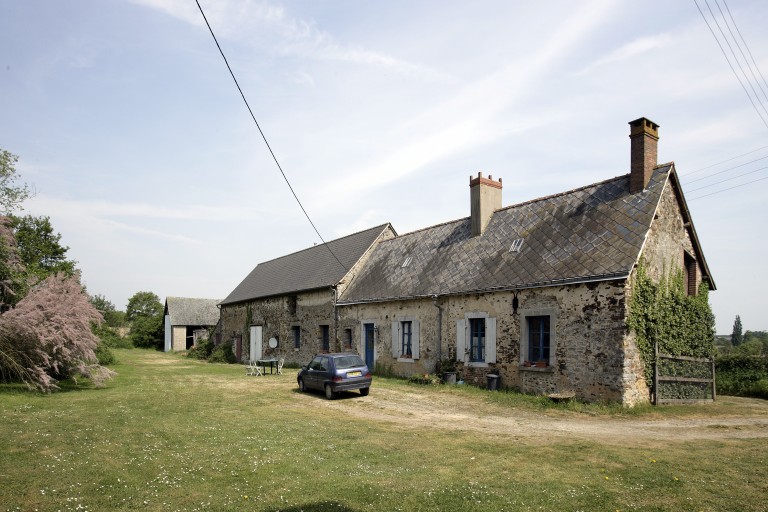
(280, 363)
(252, 368)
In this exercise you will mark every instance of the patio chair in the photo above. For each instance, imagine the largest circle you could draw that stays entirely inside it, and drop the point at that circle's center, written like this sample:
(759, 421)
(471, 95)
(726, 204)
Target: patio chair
(280, 363)
(252, 368)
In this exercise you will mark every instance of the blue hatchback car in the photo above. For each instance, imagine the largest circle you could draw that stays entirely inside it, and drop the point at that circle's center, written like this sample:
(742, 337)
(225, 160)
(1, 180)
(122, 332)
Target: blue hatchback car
(332, 373)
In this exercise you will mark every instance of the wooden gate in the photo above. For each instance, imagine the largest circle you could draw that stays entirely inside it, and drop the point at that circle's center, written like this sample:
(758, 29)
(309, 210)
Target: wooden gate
(683, 379)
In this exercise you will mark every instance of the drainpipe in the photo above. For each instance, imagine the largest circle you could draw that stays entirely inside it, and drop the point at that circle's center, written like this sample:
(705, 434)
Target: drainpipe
(334, 291)
(439, 332)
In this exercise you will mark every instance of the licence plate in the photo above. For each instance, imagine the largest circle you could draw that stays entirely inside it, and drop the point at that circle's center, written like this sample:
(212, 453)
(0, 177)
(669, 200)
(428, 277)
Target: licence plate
(354, 374)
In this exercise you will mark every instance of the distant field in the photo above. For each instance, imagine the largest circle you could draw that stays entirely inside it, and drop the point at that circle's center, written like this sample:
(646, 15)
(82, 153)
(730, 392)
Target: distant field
(175, 434)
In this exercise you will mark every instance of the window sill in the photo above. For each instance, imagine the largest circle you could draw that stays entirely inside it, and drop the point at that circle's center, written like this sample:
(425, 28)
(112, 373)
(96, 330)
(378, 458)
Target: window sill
(476, 364)
(406, 360)
(540, 369)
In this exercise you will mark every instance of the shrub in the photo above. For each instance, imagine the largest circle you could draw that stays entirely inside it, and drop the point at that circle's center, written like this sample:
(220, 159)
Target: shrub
(742, 375)
(201, 350)
(104, 356)
(147, 332)
(223, 354)
(425, 378)
(48, 336)
(109, 337)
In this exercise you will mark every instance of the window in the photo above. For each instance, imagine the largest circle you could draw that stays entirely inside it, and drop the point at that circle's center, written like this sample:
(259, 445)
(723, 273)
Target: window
(690, 274)
(538, 338)
(405, 338)
(348, 338)
(476, 340)
(296, 336)
(406, 329)
(326, 338)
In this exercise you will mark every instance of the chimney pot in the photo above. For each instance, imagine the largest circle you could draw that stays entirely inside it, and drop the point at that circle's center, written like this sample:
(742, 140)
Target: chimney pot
(644, 136)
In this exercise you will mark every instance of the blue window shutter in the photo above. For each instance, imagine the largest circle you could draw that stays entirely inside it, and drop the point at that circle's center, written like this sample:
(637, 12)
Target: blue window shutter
(461, 339)
(395, 339)
(415, 339)
(490, 340)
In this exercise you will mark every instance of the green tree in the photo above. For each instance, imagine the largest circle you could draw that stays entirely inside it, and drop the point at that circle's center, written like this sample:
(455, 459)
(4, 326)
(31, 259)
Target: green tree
(145, 312)
(40, 248)
(737, 337)
(143, 304)
(11, 194)
(13, 281)
(112, 317)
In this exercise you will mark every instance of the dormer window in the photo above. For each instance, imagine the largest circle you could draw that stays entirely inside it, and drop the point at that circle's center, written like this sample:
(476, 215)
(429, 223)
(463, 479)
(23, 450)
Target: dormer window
(407, 261)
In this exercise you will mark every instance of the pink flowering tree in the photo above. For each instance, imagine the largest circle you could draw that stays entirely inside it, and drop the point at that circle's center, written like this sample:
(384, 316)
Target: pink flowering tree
(47, 337)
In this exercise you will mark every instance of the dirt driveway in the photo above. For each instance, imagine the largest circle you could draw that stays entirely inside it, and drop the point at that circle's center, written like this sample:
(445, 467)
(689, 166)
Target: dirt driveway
(729, 418)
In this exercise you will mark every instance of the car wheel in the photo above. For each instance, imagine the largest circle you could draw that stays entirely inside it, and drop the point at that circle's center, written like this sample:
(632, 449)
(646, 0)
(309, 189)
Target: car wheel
(365, 391)
(329, 394)
(302, 387)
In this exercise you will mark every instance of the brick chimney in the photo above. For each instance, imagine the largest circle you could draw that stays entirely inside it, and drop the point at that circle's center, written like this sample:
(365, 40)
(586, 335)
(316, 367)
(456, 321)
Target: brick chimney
(644, 135)
(485, 198)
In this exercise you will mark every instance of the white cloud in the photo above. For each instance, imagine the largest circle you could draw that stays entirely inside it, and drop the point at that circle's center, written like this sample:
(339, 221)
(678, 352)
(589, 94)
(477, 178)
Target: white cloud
(630, 50)
(294, 36)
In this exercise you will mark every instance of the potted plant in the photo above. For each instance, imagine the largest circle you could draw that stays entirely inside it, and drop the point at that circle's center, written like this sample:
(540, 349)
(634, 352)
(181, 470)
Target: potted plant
(541, 364)
(448, 368)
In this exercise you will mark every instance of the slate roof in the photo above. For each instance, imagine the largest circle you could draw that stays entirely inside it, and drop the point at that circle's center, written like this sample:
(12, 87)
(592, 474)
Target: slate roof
(309, 269)
(592, 233)
(187, 311)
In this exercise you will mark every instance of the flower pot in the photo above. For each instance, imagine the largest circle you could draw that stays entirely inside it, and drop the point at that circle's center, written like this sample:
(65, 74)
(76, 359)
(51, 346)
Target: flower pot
(541, 364)
(493, 382)
(449, 377)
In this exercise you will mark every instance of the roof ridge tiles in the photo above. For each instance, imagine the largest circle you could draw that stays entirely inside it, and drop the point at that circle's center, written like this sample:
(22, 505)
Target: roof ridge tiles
(380, 227)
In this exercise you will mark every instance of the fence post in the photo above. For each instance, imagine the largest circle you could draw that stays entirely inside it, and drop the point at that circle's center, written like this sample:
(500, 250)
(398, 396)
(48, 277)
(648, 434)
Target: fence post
(656, 373)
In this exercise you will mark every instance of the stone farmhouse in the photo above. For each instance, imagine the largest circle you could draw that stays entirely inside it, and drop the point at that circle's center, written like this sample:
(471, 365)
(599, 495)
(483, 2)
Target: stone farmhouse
(188, 320)
(291, 301)
(535, 292)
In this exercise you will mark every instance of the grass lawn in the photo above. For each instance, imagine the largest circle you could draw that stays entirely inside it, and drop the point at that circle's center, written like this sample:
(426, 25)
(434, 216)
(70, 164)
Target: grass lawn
(171, 433)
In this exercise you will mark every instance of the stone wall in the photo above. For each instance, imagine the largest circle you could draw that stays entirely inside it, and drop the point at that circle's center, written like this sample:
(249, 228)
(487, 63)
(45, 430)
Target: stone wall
(277, 316)
(588, 336)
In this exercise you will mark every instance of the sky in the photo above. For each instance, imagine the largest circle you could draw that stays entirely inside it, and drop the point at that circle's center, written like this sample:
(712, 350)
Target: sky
(141, 151)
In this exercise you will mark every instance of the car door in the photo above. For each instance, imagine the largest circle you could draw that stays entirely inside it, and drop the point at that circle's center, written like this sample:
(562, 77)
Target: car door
(316, 372)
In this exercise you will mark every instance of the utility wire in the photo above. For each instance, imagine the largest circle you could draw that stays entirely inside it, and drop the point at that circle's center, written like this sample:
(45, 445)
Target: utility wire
(729, 63)
(725, 161)
(733, 53)
(731, 188)
(748, 51)
(242, 95)
(726, 170)
(728, 179)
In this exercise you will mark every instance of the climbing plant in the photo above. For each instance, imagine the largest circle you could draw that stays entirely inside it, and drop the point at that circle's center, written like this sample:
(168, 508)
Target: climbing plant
(662, 312)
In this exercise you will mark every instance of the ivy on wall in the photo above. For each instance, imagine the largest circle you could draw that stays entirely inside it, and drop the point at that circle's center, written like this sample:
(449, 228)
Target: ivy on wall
(664, 313)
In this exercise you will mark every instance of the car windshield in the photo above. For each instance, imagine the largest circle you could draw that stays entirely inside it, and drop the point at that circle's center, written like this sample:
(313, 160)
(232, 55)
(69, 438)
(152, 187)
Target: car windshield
(344, 362)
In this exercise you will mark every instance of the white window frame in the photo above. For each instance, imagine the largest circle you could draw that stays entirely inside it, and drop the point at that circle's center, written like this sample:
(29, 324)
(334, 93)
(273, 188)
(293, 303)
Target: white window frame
(552, 314)
(463, 335)
(397, 333)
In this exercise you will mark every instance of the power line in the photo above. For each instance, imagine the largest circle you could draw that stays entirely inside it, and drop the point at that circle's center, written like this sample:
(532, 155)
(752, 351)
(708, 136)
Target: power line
(735, 57)
(242, 95)
(726, 170)
(748, 51)
(725, 161)
(729, 179)
(730, 188)
(757, 110)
